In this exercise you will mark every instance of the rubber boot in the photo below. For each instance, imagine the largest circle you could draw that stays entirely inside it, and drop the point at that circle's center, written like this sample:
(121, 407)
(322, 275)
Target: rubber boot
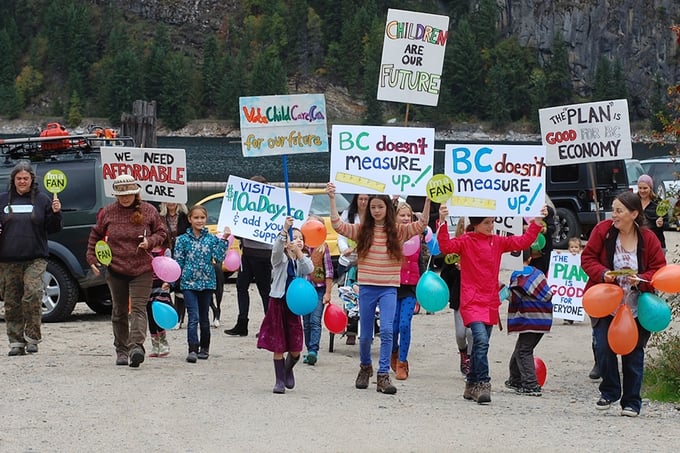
(240, 329)
(163, 347)
(155, 345)
(290, 363)
(280, 372)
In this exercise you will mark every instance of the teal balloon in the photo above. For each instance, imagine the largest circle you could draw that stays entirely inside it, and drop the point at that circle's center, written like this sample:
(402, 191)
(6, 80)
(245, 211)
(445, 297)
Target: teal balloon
(654, 313)
(301, 297)
(432, 292)
(164, 315)
(539, 243)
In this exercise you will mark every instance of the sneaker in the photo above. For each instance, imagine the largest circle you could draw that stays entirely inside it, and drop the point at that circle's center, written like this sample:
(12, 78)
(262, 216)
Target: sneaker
(603, 403)
(122, 358)
(311, 358)
(17, 350)
(629, 412)
(31, 348)
(192, 357)
(464, 363)
(136, 357)
(216, 323)
(512, 386)
(202, 354)
(529, 391)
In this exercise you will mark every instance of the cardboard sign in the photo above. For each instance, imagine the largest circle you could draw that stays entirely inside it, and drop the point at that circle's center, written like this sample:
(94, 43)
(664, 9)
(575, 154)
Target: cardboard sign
(590, 132)
(161, 172)
(567, 282)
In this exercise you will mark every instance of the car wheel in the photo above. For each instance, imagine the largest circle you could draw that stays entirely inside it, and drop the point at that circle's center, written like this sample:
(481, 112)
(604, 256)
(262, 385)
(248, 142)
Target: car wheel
(567, 226)
(60, 293)
(98, 298)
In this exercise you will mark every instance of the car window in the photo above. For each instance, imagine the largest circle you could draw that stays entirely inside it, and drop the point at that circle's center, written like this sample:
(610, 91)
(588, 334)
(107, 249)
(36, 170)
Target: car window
(664, 171)
(565, 173)
(213, 207)
(79, 193)
(321, 206)
(634, 170)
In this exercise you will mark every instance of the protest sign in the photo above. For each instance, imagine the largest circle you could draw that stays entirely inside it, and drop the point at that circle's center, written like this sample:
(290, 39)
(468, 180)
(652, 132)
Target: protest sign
(413, 57)
(589, 132)
(496, 180)
(256, 211)
(390, 160)
(567, 281)
(286, 124)
(161, 172)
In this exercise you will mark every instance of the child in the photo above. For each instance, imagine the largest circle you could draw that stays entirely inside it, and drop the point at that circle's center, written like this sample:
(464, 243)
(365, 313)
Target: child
(160, 292)
(406, 301)
(574, 247)
(379, 242)
(195, 251)
(281, 329)
(529, 314)
(480, 253)
(322, 279)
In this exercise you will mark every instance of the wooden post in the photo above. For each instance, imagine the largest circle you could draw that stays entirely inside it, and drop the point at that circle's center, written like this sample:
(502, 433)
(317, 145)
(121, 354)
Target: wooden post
(141, 124)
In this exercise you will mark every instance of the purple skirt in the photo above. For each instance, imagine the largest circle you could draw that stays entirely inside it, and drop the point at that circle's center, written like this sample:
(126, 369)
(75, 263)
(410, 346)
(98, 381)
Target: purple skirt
(281, 329)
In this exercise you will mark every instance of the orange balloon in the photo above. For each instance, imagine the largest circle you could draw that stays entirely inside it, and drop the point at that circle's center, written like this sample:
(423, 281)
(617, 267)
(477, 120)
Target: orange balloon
(314, 232)
(667, 279)
(623, 332)
(602, 299)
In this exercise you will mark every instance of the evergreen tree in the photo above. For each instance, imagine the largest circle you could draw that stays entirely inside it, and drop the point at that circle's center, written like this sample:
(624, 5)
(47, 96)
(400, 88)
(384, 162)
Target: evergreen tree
(463, 74)
(558, 77)
(156, 66)
(372, 53)
(483, 23)
(175, 95)
(538, 92)
(210, 76)
(75, 114)
(268, 76)
(603, 79)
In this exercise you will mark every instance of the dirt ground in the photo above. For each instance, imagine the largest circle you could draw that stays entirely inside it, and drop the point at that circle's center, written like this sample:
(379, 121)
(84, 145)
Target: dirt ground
(70, 397)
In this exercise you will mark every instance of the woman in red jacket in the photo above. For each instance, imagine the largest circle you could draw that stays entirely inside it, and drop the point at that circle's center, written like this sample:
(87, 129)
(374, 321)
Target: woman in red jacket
(622, 243)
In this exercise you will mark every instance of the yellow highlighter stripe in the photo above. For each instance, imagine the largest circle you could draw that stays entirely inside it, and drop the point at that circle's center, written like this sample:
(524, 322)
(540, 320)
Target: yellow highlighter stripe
(360, 181)
(471, 202)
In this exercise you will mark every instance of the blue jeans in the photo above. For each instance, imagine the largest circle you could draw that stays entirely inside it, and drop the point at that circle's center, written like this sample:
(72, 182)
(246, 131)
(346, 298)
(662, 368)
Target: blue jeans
(401, 329)
(371, 297)
(479, 360)
(198, 309)
(632, 364)
(312, 323)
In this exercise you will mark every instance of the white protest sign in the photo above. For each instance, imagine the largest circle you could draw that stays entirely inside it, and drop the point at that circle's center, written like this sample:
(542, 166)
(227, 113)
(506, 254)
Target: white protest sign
(510, 226)
(286, 124)
(257, 211)
(496, 180)
(389, 160)
(567, 282)
(161, 172)
(590, 132)
(413, 57)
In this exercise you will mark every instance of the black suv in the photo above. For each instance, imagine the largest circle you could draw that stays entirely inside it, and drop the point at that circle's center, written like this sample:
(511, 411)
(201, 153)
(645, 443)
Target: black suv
(68, 278)
(583, 194)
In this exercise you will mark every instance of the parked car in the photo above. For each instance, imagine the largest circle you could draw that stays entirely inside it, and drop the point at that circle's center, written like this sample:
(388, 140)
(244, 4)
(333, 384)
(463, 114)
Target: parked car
(665, 172)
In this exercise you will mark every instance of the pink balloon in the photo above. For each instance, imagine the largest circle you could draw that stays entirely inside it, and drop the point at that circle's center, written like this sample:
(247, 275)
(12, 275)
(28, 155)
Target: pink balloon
(230, 240)
(232, 261)
(166, 268)
(428, 234)
(411, 246)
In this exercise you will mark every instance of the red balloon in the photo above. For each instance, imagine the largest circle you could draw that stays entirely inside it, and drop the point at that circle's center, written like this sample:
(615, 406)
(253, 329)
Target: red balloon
(602, 299)
(335, 319)
(667, 279)
(541, 371)
(314, 232)
(623, 332)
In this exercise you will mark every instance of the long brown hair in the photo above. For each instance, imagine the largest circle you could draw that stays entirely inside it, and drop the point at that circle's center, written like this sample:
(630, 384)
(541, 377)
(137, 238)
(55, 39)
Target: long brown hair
(367, 225)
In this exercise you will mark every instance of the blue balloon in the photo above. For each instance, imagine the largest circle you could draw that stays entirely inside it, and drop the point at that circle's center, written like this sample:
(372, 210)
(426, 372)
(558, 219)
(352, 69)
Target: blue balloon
(433, 246)
(164, 315)
(301, 297)
(654, 313)
(432, 292)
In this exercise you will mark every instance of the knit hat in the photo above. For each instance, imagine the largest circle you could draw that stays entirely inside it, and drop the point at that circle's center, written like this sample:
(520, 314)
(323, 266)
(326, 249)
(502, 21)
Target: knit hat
(646, 179)
(125, 185)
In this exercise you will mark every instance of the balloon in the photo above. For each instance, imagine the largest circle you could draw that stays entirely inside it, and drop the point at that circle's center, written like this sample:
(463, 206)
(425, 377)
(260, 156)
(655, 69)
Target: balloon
(335, 319)
(428, 235)
(623, 332)
(432, 292)
(232, 260)
(602, 299)
(433, 246)
(654, 313)
(166, 269)
(541, 371)
(164, 315)
(230, 240)
(301, 297)
(667, 279)
(539, 243)
(314, 232)
(412, 246)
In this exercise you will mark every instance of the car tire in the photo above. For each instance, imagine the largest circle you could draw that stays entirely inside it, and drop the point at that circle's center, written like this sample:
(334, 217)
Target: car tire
(567, 226)
(60, 292)
(98, 298)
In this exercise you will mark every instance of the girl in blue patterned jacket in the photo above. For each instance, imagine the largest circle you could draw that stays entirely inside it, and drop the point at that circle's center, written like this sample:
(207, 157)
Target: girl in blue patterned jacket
(195, 251)
(530, 314)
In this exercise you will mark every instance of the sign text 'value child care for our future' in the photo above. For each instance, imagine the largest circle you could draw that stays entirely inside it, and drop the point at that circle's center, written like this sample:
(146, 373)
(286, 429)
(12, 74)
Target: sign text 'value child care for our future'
(412, 58)
(257, 211)
(567, 282)
(391, 160)
(286, 124)
(495, 180)
(590, 132)
(160, 171)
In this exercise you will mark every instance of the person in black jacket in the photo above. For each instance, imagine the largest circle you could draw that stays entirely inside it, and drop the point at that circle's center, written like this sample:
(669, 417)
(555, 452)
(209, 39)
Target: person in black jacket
(26, 218)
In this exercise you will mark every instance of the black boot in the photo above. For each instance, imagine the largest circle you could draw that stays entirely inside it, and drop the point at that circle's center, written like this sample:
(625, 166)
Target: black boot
(193, 353)
(595, 372)
(280, 372)
(240, 329)
(290, 363)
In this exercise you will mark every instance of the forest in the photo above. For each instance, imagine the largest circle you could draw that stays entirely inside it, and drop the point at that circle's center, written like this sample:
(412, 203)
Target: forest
(75, 59)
